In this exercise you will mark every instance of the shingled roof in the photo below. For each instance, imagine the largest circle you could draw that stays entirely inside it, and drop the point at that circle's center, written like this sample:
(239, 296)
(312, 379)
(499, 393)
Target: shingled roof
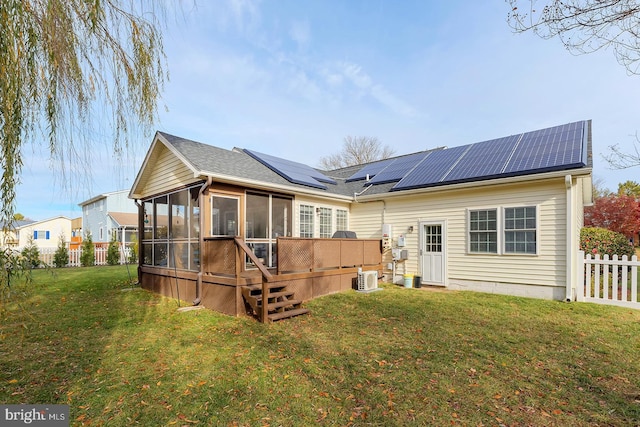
(561, 148)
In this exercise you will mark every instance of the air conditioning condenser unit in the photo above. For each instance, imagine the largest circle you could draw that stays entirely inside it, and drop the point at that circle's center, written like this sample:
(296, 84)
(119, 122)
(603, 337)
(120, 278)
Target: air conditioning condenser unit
(367, 280)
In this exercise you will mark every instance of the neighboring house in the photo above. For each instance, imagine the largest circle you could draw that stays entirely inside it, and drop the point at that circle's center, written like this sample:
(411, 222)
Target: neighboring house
(109, 214)
(46, 233)
(76, 233)
(497, 216)
(11, 233)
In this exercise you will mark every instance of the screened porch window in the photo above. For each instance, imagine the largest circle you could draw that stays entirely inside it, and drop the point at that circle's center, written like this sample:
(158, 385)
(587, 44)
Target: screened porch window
(171, 236)
(268, 216)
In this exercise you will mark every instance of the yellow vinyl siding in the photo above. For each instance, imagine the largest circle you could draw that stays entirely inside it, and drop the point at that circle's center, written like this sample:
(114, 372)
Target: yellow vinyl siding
(547, 268)
(168, 173)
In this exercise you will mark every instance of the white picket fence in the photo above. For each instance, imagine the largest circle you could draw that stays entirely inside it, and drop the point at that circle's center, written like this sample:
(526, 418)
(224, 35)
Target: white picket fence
(46, 256)
(609, 281)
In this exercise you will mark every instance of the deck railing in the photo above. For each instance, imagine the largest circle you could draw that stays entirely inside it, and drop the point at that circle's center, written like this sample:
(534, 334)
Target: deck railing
(225, 256)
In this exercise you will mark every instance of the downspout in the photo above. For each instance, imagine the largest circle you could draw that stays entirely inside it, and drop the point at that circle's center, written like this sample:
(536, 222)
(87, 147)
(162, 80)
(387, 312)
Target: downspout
(140, 235)
(570, 257)
(204, 187)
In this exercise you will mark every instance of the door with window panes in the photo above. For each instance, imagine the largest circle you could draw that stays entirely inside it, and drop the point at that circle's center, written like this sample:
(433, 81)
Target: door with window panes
(432, 252)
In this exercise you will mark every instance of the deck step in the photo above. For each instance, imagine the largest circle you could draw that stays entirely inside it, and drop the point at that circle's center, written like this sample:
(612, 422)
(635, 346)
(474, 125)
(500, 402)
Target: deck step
(274, 295)
(285, 303)
(287, 314)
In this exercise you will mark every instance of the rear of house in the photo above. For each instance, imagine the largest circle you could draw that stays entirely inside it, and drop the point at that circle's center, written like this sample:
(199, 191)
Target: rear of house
(496, 216)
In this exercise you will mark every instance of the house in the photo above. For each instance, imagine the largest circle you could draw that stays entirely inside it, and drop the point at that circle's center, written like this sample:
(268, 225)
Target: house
(497, 216)
(11, 233)
(110, 214)
(46, 234)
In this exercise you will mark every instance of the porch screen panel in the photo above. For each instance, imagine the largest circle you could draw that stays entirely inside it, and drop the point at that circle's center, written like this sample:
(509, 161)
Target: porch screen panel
(257, 216)
(280, 217)
(161, 218)
(224, 216)
(179, 206)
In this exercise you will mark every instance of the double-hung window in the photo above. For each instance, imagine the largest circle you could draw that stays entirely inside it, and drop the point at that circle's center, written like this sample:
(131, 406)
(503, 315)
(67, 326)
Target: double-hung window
(483, 231)
(520, 230)
(511, 230)
(306, 221)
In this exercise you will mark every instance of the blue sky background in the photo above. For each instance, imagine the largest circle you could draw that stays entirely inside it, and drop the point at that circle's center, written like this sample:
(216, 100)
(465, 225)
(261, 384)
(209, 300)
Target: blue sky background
(292, 79)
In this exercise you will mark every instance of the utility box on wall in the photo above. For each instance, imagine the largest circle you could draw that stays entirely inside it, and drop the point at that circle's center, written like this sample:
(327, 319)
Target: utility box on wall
(386, 231)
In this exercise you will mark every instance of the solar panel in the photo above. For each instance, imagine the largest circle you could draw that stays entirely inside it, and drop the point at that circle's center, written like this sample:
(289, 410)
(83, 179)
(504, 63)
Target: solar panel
(370, 170)
(294, 172)
(433, 169)
(484, 159)
(398, 168)
(548, 149)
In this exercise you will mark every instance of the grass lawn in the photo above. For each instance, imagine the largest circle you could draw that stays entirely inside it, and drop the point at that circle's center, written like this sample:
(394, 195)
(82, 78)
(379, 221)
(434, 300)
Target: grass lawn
(122, 357)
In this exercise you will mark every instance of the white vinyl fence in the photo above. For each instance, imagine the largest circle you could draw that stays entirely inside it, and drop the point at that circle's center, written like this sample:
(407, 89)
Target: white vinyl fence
(609, 281)
(46, 256)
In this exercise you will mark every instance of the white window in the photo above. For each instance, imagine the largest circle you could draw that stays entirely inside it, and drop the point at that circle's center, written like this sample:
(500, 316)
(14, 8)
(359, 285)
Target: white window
(341, 220)
(306, 221)
(41, 235)
(520, 230)
(483, 231)
(515, 226)
(325, 223)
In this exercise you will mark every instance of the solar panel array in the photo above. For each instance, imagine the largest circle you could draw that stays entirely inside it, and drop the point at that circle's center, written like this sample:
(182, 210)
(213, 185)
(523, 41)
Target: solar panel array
(540, 149)
(557, 148)
(294, 172)
(370, 170)
(398, 168)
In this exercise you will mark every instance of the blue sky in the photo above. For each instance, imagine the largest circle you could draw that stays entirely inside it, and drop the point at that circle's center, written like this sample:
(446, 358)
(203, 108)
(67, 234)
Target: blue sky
(292, 79)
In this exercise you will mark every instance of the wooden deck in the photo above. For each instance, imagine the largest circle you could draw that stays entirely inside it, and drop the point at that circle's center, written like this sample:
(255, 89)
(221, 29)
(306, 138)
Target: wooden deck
(306, 269)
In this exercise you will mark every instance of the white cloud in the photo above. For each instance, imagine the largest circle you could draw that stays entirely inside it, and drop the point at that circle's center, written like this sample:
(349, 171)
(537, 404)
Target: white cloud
(300, 33)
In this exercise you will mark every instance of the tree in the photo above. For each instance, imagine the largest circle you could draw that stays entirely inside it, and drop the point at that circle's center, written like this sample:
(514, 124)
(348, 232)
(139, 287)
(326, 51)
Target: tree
(61, 255)
(619, 159)
(113, 253)
(629, 188)
(31, 254)
(614, 212)
(356, 150)
(584, 26)
(67, 65)
(88, 255)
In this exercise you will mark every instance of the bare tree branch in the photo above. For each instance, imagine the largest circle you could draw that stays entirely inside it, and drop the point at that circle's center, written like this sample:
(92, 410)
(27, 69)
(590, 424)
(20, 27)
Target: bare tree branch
(356, 150)
(584, 26)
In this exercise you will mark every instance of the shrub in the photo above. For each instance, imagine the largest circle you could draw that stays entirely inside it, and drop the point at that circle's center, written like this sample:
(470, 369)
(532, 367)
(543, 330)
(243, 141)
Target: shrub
(113, 254)
(133, 255)
(61, 255)
(601, 241)
(31, 253)
(88, 256)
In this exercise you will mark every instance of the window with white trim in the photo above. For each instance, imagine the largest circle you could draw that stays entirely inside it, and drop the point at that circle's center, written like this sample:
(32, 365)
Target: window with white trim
(325, 223)
(306, 221)
(520, 230)
(483, 231)
(341, 220)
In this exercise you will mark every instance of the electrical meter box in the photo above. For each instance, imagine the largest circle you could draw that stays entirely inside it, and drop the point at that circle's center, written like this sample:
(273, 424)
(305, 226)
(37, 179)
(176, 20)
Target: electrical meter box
(386, 231)
(401, 243)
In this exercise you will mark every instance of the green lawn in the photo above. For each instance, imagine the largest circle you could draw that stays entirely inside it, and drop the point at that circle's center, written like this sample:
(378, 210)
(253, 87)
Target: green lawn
(400, 356)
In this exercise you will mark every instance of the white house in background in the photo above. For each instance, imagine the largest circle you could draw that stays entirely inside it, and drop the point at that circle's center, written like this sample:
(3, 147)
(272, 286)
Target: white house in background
(9, 236)
(45, 233)
(110, 213)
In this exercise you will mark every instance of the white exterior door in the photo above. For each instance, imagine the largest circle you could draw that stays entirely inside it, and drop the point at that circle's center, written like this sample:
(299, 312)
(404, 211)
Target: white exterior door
(433, 252)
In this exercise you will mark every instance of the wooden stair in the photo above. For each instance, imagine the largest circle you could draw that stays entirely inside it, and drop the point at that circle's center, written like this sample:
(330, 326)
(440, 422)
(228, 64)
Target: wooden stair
(281, 302)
